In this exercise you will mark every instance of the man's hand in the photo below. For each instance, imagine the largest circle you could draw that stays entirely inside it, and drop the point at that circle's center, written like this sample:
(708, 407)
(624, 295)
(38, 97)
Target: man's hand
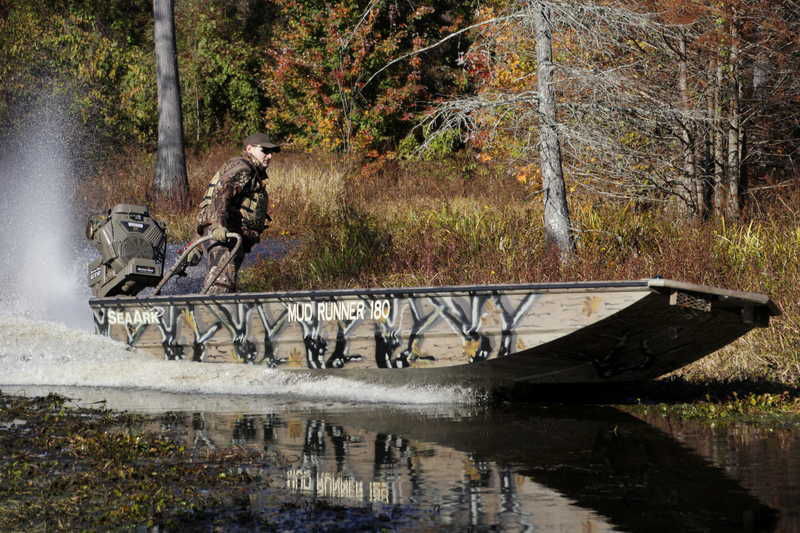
(219, 233)
(194, 257)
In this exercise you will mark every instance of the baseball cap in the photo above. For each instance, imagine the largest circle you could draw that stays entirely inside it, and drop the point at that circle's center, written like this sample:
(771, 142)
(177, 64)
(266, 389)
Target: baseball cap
(260, 139)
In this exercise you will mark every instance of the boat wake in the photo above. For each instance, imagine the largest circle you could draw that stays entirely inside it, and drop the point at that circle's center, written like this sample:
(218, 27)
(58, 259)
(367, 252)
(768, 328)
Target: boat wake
(44, 316)
(39, 353)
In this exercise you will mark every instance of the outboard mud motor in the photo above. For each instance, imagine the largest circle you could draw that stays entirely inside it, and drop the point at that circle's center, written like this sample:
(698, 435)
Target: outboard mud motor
(132, 246)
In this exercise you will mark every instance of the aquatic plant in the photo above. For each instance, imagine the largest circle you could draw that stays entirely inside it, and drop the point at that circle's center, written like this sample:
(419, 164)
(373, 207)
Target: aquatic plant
(65, 468)
(764, 408)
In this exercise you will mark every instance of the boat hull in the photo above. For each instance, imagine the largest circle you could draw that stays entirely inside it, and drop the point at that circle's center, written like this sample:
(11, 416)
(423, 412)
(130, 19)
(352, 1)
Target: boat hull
(544, 333)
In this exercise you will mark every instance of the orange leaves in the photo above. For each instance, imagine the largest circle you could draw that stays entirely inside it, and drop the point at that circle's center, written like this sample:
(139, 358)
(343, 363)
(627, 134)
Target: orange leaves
(515, 73)
(478, 65)
(529, 175)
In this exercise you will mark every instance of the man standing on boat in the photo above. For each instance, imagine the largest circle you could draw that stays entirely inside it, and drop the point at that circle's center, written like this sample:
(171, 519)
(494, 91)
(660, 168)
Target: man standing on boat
(235, 202)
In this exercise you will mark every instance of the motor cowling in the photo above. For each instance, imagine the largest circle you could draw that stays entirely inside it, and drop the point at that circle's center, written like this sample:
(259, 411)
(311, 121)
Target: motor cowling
(132, 247)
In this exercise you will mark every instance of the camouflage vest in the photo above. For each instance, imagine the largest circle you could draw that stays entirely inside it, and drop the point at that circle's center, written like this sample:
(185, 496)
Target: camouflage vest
(252, 201)
(254, 209)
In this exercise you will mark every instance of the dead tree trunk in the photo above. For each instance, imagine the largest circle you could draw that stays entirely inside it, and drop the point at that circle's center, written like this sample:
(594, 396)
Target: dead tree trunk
(718, 140)
(557, 225)
(733, 207)
(691, 188)
(170, 175)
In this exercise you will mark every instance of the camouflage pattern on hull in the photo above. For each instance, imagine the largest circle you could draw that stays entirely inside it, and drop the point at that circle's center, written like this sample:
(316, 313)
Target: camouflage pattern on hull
(570, 332)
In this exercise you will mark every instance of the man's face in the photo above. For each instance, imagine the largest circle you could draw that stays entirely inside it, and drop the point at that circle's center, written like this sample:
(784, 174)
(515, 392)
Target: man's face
(262, 155)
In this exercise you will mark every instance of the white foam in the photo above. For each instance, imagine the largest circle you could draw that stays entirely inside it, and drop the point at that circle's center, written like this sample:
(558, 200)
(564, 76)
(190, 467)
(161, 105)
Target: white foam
(25, 340)
(40, 353)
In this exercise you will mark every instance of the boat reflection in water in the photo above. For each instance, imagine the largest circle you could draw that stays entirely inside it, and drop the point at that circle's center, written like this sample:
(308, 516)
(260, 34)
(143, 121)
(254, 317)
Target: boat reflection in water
(584, 469)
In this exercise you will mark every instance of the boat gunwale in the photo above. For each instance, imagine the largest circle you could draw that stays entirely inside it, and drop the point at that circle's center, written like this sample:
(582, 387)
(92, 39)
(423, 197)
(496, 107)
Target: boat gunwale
(740, 297)
(641, 285)
(653, 284)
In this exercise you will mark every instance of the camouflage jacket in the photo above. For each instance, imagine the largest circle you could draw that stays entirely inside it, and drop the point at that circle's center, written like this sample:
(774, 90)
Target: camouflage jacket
(236, 199)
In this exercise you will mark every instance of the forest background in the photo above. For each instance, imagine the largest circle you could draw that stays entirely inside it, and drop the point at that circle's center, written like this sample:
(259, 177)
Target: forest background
(412, 136)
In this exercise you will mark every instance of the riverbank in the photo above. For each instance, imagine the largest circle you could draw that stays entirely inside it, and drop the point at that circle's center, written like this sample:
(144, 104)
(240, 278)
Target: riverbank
(359, 224)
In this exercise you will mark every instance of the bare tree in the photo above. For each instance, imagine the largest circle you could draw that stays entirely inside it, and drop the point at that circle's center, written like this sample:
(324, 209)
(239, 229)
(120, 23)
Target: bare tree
(170, 173)
(695, 198)
(679, 104)
(557, 226)
(733, 206)
(599, 117)
(718, 137)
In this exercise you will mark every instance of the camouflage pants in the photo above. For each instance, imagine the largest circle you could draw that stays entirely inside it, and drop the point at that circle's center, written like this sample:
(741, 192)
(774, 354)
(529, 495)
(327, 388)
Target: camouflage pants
(226, 275)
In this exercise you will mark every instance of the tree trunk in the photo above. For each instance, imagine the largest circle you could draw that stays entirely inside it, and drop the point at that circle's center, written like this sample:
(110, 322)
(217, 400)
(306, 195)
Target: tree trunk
(557, 226)
(733, 208)
(170, 176)
(702, 158)
(719, 148)
(705, 156)
(688, 194)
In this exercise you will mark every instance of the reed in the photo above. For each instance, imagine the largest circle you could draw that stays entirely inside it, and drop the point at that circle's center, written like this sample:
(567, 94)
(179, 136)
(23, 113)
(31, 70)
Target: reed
(307, 186)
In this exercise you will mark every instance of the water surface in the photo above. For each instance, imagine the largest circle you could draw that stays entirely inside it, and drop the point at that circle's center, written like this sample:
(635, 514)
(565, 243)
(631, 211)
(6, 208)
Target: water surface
(428, 456)
(513, 467)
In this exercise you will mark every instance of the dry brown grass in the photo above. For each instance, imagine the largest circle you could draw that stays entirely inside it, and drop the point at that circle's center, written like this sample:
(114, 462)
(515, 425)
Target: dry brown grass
(303, 187)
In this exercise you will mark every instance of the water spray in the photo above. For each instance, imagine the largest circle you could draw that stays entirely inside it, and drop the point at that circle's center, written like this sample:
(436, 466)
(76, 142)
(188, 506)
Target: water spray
(44, 253)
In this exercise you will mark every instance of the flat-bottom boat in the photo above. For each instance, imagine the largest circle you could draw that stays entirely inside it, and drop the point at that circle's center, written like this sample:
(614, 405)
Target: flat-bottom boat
(537, 333)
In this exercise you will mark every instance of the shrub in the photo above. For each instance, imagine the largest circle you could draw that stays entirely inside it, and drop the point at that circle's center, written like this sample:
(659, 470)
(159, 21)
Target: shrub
(344, 249)
(323, 53)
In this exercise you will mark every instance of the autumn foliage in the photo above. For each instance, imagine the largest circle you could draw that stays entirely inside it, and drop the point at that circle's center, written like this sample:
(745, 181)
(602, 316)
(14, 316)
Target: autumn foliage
(323, 54)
